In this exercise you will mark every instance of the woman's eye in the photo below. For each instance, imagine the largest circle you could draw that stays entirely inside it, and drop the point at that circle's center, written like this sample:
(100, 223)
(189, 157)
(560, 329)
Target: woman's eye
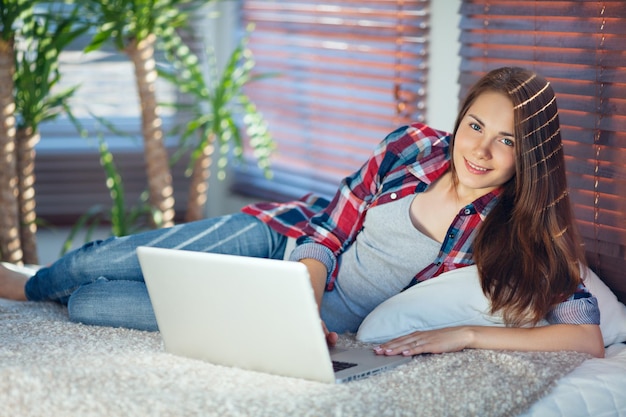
(475, 127)
(508, 142)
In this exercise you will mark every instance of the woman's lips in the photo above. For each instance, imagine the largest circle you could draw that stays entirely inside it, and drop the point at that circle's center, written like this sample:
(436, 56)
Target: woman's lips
(475, 169)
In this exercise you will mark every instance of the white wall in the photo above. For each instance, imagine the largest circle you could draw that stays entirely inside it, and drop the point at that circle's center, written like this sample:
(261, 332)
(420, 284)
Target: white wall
(444, 64)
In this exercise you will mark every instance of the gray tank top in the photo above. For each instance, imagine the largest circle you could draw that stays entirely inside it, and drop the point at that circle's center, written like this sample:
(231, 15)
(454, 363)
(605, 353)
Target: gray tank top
(384, 258)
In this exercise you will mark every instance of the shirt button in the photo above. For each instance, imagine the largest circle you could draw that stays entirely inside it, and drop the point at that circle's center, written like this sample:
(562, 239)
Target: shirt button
(393, 196)
(467, 211)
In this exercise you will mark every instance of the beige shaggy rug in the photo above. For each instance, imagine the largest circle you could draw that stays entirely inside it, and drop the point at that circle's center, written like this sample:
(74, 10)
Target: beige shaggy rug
(51, 367)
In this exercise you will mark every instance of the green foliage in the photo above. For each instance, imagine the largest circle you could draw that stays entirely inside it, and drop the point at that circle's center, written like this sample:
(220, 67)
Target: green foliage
(123, 220)
(37, 67)
(13, 14)
(121, 21)
(219, 103)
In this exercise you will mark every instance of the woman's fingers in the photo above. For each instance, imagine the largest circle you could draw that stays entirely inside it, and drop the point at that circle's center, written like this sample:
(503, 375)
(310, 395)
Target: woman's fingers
(433, 341)
(331, 337)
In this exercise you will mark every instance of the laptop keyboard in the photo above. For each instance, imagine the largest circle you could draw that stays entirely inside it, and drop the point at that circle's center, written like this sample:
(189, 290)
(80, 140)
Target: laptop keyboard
(340, 366)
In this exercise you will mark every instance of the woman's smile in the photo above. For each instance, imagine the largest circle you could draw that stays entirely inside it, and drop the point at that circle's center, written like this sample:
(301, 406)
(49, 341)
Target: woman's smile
(474, 168)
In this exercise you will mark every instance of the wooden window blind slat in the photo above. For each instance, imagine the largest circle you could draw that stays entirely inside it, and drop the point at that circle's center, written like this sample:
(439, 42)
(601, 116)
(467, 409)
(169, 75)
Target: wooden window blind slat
(578, 46)
(348, 73)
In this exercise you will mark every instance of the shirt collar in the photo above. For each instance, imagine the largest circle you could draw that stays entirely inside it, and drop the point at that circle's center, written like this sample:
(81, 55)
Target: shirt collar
(429, 168)
(485, 203)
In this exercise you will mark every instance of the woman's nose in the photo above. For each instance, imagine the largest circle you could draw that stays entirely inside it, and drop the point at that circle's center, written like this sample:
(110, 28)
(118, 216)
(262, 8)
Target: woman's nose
(483, 149)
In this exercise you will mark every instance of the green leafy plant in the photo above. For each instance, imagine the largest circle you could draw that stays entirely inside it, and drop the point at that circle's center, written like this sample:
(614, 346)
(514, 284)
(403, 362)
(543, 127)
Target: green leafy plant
(218, 107)
(36, 100)
(123, 219)
(135, 27)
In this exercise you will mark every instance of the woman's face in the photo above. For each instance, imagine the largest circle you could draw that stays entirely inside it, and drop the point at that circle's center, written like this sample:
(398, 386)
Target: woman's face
(484, 145)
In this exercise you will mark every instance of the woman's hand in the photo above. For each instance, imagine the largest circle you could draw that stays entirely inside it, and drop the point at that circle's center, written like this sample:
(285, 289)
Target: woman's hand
(450, 339)
(585, 338)
(331, 337)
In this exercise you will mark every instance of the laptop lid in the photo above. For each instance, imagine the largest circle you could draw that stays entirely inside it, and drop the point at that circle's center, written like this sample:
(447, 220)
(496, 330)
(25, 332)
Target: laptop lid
(251, 313)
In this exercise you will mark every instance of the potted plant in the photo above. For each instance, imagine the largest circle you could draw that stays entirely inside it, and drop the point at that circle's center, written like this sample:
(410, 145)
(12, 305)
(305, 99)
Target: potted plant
(135, 27)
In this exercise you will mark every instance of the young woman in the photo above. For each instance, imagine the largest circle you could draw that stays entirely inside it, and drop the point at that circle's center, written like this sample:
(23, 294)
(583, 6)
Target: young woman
(493, 193)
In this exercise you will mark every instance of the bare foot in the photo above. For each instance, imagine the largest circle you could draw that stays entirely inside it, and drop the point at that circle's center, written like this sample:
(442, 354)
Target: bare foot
(12, 284)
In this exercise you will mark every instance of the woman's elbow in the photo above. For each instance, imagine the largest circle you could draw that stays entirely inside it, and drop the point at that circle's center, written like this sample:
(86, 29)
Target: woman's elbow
(592, 340)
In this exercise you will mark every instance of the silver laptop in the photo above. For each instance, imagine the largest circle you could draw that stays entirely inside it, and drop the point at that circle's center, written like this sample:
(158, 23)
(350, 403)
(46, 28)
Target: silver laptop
(251, 313)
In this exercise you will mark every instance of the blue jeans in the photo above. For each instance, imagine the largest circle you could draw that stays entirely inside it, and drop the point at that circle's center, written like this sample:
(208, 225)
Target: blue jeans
(102, 284)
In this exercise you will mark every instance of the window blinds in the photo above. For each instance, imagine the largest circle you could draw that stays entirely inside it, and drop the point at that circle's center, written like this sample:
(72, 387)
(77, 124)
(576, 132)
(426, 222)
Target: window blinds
(345, 74)
(579, 47)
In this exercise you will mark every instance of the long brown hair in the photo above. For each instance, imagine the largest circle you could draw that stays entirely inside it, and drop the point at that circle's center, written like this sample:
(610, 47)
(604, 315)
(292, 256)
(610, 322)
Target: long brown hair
(528, 250)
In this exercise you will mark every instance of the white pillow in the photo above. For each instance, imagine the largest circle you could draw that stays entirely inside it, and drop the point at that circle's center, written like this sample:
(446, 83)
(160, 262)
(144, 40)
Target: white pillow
(456, 298)
(612, 312)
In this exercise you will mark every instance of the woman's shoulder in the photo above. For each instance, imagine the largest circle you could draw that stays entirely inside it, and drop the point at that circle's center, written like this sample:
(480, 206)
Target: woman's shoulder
(417, 145)
(423, 130)
(417, 138)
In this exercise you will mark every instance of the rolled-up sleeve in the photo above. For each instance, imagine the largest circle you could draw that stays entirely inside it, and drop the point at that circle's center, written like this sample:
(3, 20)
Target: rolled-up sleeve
(318, 252)
(576, 311)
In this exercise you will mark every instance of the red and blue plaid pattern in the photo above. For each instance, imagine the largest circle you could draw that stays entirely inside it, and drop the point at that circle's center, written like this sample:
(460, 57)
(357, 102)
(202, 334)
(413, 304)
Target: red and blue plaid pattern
(404, 163)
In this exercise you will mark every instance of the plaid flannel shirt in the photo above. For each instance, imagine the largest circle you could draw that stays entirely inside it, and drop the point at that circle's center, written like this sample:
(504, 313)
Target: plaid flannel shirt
(406, 162)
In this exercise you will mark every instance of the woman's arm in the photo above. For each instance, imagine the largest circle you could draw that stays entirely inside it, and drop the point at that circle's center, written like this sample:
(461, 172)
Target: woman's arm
(317, 274)
(585, 338)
